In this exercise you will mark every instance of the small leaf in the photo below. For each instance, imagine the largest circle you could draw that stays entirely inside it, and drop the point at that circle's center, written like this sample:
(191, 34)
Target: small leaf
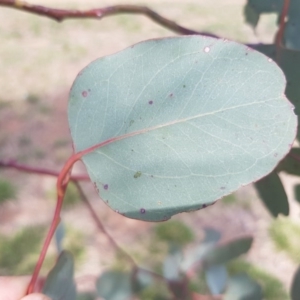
(142, 280)
(216, 278)
(272, 193)
(211, 236)
(251, 15)
(86, 296)
(241, 287)
(163, 109)
(297, 192)
(295, 289)
(59, 236)
(289, 164)
(60, 284)
(114, 285)
(223, 253)
(171, 267)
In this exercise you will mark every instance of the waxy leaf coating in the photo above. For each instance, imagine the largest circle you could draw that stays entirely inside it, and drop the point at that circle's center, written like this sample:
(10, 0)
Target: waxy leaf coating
(182, 122)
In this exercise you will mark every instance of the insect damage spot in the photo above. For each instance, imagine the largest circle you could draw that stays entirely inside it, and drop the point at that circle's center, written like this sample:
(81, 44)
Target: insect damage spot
(137, 174)
(206, 49)
(84, 94)
(150, 102)
(105, 186)
(143, 210)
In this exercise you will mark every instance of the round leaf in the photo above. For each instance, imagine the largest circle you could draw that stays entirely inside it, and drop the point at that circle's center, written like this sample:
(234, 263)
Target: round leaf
(241, 287)
(216, 279)
(181, 122)
(114, 285)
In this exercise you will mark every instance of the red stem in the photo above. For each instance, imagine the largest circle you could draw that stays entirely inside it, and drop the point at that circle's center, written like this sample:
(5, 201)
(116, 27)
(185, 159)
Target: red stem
(29, 169)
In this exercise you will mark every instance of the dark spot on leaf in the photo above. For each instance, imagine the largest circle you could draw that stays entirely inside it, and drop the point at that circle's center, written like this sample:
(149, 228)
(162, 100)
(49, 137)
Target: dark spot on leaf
(150, 102)
(204, 205)
(137, 174)
(84, 94)
(105, 186)
(171, 95)
(143, 210)
(89, 90)
(246, 53)
(222, 188)
(184, 86)
(151, 176)
(275, 154)
(131, 122)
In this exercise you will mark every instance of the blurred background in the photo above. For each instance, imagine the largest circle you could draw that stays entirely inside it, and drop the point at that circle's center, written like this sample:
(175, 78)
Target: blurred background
(39, 59)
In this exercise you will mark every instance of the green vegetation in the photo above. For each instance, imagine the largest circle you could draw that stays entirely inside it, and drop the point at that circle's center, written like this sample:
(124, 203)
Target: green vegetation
(174, 232)
(285, 235)
(18, 253)
(7, 191)
(272, 287)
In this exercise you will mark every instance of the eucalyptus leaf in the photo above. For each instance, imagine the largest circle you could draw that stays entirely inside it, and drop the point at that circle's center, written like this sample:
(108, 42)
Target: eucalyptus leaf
(59, 236)
(114, 285)
(272, 193)
(181, 122)
(241, 287)
(216, 279)
(291, 163)
(295, 290)
(60, 284)
(225, 252)
(171, 267)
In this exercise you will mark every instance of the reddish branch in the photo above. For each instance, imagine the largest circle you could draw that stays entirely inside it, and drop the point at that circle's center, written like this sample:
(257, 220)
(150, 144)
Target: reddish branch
(98, 13)
(12, 164)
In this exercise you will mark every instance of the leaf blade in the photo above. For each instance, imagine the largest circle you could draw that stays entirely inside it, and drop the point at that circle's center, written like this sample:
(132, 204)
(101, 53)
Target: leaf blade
(163, 118)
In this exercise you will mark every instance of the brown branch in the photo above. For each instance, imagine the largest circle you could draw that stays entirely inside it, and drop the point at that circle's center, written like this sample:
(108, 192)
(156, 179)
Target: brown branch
(280, 33)
(12, 164)
(99, 13)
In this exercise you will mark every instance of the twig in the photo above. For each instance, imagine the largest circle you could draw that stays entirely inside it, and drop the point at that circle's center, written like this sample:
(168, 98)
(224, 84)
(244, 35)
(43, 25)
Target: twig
(99, 13)
(280, 33)
(100, 225)
(12, 164)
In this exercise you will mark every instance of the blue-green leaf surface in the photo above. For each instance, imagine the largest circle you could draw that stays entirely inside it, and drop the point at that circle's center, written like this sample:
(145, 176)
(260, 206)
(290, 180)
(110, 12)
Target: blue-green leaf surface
(114, 285)
(216, 279)
(185, 121)
(241, 287)
(60, 283)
